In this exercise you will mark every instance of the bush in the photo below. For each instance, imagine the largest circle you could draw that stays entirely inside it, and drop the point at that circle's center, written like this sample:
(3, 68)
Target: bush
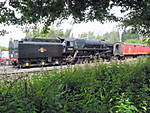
(3, 48)
(99, 88)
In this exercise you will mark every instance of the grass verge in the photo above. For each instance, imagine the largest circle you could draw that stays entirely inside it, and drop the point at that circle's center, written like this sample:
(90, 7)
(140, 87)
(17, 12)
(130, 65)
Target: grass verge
(102, 88)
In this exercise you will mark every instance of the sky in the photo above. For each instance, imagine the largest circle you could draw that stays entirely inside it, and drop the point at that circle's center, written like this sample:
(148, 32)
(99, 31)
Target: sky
(95, 26)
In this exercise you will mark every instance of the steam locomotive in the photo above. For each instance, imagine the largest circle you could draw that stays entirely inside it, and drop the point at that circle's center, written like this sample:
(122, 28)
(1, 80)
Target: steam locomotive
(56, 51)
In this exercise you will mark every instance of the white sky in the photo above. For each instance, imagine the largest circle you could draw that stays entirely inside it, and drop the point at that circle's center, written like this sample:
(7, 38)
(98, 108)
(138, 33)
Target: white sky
(96, 27)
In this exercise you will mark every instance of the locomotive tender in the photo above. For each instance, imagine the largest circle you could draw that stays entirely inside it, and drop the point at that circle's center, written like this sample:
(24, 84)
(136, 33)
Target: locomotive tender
(57, 51)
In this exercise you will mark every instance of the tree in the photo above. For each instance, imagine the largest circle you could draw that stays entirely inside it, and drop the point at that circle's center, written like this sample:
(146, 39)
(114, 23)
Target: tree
(112, 36)
(41, 33)
(67, 33)
(47, 11)
(134, 41)
(146, 40)
(129, 34)
(3, 48)
(139, 18)
(90, 35)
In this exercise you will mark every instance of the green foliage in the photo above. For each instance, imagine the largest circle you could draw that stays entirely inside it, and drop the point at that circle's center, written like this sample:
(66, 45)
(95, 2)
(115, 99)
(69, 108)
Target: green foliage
(123, 105)
(139, 18)
(112, 36)
(143, 41)
(3, 32)
(146, 40)
(41, 33)
(3, 48)
(134, 41)
(117, 87)
(90, 35)
(129, 34)
(47, 11)
(133, 37)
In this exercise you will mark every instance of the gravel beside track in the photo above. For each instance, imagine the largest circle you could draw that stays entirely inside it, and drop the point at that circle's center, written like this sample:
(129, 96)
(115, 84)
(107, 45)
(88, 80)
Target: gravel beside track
(9, 70)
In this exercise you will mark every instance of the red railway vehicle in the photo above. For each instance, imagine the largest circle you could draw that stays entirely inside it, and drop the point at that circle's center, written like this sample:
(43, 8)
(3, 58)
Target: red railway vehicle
(121, 50)
(3, 61)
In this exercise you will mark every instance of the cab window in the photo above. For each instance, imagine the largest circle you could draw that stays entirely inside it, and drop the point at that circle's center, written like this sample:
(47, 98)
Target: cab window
(70, 43)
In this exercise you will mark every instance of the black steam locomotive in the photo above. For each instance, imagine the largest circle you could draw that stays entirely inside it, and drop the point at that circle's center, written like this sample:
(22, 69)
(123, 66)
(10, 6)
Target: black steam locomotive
(56, 51)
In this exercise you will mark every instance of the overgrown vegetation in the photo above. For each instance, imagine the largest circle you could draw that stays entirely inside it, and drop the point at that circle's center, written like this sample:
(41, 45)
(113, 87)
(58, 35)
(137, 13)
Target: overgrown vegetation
(3, 48)
(41, 33)
(115, 87)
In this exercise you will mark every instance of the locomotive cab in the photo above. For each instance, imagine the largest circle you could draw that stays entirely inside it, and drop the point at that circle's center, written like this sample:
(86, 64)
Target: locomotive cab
(70, 45)
(117, 49)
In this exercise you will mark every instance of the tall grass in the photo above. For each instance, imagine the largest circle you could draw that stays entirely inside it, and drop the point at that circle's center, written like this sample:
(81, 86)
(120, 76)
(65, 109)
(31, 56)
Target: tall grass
(116, 87)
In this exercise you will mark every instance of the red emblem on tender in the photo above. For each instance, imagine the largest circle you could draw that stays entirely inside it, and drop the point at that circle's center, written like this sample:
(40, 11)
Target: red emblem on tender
(42, 50)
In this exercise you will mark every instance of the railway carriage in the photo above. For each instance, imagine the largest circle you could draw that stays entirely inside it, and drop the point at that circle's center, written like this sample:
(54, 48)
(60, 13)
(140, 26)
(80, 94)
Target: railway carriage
(122, 50)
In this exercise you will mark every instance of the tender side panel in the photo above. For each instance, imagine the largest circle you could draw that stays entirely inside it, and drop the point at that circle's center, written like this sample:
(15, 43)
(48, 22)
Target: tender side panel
(41, 50)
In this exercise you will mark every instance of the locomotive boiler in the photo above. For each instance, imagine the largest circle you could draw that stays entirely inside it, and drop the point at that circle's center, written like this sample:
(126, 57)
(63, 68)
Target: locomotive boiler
(93, 49)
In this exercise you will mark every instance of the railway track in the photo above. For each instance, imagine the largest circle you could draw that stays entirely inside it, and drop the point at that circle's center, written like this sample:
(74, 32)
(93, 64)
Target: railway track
(10, 70)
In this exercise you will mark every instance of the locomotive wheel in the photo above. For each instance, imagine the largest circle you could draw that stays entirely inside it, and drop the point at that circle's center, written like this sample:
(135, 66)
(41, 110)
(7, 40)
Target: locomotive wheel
(20, 66)
(23, 65)
(82, 61)
(14, 63)
(86, 60)
(79, 61)
(26, 64)
(42, 63)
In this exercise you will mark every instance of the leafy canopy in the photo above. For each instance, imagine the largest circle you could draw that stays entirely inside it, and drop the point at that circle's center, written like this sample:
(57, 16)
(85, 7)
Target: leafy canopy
(47, 11)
